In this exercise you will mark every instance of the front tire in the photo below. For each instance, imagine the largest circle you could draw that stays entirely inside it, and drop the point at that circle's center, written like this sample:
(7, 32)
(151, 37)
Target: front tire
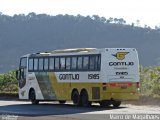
(32, 97)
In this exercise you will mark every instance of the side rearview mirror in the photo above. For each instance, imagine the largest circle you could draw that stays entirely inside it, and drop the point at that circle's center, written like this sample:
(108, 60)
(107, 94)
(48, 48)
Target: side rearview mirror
(17, 74)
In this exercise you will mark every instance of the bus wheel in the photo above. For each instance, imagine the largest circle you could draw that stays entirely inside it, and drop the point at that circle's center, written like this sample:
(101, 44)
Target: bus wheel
(62, 101)
(116, 103)
(32, 97)
(75, 98)
(105, 103)
(84, 99)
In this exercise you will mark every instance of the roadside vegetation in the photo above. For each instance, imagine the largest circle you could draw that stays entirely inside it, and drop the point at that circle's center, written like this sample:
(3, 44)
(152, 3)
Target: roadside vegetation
(8, 83)
(149, 79)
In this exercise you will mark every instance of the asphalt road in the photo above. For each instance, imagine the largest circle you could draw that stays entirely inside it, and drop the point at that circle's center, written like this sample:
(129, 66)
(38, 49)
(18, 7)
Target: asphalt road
(54, 111)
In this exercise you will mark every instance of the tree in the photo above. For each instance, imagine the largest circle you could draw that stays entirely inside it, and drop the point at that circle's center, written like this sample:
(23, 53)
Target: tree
(116, 20)
(138, 22)
(96, 17)
(121, 21)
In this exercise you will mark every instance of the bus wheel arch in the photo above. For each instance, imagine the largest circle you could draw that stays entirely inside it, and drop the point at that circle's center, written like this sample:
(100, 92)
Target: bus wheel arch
(75, 97)
(32, 96)
(84, 97)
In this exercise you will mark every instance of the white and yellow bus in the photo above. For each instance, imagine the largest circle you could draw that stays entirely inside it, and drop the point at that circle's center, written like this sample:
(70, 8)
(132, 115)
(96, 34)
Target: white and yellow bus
(83, 75)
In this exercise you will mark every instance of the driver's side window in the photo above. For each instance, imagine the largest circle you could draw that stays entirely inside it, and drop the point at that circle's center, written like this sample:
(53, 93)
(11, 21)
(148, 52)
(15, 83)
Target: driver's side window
(22, 72)
(23, 66)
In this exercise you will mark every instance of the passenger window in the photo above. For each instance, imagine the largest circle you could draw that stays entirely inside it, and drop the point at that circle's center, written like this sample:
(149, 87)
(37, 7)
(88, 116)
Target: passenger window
(62, 63)
(85, 62)
(57, 66)
(40, 64)
(51, 63)
(68, 63)
(35, 64)
(79, 63)
(45, 63)
(31, 64)
(74, 63)
(91, 62)
(97, 62)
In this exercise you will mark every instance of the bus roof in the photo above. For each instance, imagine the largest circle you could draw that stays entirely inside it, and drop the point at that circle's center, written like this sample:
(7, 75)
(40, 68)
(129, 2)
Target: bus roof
(73, 50)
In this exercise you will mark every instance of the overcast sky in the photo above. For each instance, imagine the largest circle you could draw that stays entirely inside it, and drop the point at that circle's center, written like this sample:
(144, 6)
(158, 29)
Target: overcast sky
(147, 11)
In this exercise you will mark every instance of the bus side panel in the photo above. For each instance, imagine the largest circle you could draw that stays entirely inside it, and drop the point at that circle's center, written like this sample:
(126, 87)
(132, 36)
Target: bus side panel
(45, 85)
(31, 82)
(65, 82)
(62, 90)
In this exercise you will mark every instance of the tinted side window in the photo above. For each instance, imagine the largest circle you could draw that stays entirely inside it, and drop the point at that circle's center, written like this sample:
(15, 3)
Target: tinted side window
(45, 63)
(68, 63)
(91, 62)
(79, 63)
(62, 63)
(40, 64)
(23, 62)
(97, 62)
(51, 63)
(85, 62)
(57, 63)
(74, 63)
(35, 63)
(30, 63)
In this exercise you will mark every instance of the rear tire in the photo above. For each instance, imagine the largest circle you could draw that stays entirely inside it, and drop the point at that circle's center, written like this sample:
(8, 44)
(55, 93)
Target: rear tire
(116, 104)
(62, 101)
(84, 99)
(32, 97)
(76, 98)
